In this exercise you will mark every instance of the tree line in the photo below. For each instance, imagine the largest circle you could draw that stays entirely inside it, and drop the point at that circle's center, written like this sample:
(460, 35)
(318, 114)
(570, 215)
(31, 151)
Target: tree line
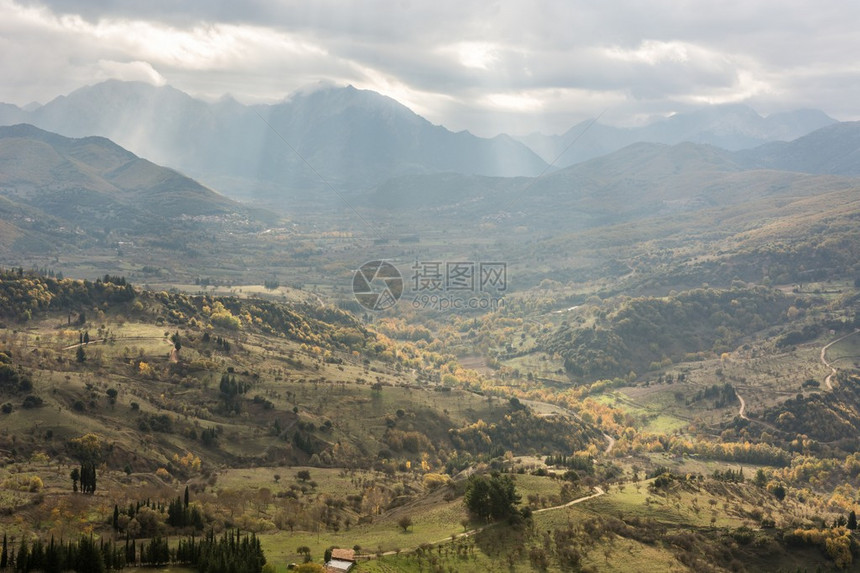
(230, 553)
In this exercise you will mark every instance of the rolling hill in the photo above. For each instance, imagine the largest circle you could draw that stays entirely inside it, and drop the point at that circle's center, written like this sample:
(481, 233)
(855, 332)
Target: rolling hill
(54, 188)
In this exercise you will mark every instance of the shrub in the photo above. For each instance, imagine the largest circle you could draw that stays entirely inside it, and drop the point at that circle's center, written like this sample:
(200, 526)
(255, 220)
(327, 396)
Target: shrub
(35, 484)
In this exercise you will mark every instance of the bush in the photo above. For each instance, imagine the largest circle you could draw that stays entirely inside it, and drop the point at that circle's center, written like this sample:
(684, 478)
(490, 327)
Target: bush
(433, 481)
(31, 402)
(35, 484)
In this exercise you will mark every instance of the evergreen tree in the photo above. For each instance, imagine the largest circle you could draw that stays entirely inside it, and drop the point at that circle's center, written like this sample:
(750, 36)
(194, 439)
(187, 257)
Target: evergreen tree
(852, 521)
(89, 558)
(4, 556)
(36, 561)
(88, 477)
(23, 556)
(494, 497)
(53, 561)
(130, 552)
(177, 513)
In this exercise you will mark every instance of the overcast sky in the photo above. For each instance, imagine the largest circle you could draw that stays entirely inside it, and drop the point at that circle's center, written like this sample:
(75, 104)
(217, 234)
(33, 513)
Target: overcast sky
(490, 67)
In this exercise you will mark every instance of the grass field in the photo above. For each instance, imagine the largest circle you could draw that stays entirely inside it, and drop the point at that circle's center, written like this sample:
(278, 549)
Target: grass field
(434, 518)
(845, 353)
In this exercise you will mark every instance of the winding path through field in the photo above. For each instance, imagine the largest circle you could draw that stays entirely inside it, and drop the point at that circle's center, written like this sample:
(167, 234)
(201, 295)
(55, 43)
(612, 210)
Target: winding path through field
(827, 381)
(598, 491)
(610, 445)
(743, 416)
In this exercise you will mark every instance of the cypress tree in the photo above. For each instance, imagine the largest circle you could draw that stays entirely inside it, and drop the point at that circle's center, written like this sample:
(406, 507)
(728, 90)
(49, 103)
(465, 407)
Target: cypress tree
(52, 558)
(23, 556)
(36, 561)
(89, 558)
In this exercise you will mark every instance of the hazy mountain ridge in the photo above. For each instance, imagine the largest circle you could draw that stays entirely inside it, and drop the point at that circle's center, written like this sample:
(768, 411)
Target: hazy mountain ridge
(352, 138)
(641, 180)
(831, 150)
(287, 153)
(730, 127)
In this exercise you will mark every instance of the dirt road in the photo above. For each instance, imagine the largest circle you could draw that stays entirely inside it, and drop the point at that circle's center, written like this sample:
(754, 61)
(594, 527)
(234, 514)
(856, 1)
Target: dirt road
(827, 381)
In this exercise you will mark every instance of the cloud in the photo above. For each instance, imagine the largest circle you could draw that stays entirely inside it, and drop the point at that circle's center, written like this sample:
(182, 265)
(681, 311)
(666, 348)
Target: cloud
(130, 71)
(469, 64)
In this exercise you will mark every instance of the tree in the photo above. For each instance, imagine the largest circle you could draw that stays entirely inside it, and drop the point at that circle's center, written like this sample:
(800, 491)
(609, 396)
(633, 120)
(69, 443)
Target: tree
(852, 520)
(75, 474)
(779, 492)
(405, 522)
(89, 557)
(491, 497)
(88, 450)
(303, 475)
(23, 555)
(88, 477)
(186, 497)
(306, 551)
(80, 355)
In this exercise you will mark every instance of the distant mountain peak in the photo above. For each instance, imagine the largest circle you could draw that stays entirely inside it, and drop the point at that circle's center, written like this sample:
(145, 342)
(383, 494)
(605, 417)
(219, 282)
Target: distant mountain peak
(351, 137)
(732, 127)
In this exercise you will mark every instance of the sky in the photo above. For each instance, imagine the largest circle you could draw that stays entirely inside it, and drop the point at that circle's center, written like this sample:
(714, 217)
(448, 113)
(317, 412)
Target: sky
(489, 67)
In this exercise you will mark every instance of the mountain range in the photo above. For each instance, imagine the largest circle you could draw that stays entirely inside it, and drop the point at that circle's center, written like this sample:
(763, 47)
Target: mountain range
(395, 168)
(732, 127)
(640, 180)
(350, 140)
(341, 138)
(51, 182)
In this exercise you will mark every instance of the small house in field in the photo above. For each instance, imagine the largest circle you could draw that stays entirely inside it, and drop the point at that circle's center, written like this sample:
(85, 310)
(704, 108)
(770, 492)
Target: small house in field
(342, 560)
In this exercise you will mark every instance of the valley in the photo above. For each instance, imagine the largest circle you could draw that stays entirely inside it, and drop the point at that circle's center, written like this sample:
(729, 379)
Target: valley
(666, 379)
